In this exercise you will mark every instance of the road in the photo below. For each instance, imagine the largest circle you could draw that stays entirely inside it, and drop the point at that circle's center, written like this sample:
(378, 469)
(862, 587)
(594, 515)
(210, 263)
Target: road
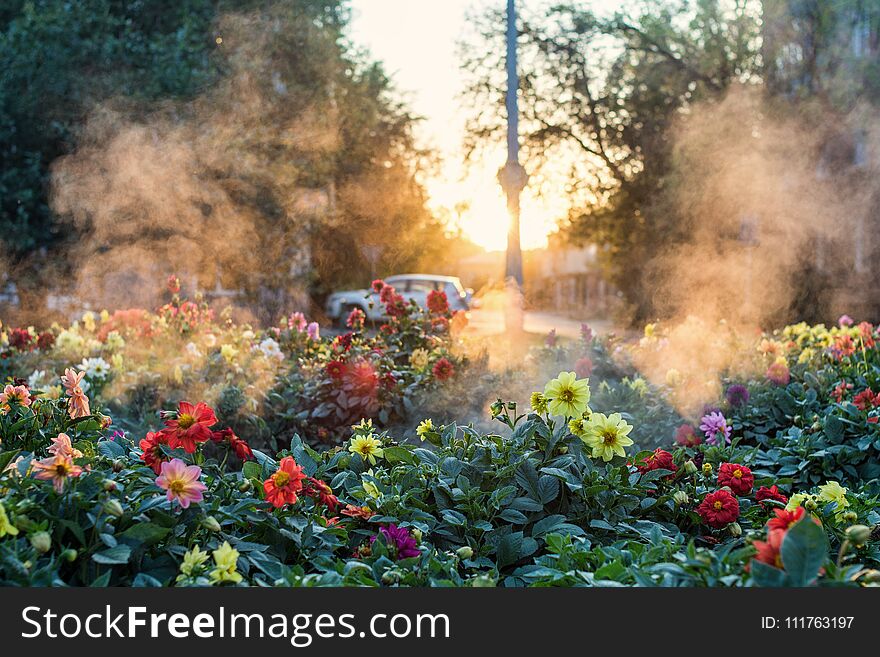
(491, 322)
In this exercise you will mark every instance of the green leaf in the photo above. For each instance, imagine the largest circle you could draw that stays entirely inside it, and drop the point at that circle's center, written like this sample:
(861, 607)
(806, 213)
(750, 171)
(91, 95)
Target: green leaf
(145, 532)
(111, 449)
(513, 516)
(252, 470)
(548, 488)
(804, 551)
(117, 555)
(527, 477)
(6, 458)
(766, 575)
(399, 455)
(509, 548)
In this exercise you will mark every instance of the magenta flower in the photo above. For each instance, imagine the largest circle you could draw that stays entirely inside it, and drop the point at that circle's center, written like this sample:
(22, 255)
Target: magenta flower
(737, 395)
(714, 424)
(844, 321)
(314, 331)
(181, 481)
(400, 538)
(586, 333)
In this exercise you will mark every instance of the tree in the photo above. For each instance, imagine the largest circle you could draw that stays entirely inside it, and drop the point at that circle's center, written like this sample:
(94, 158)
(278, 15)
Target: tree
(240, 142)
(602, 93)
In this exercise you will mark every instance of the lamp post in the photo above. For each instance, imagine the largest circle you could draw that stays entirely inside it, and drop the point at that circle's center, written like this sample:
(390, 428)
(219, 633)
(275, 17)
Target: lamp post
(513, 179)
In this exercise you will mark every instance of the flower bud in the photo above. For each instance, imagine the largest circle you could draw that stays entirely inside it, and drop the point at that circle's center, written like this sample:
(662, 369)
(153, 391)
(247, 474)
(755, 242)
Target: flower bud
(858, 535)
(735, 529)
(681, 498)
(110, 485)
(417, 534)
(69, 555)
(690, 467)
(113, 508)
(810, 504)
(465, 552)
(850, 517)
(496, 408)
(245, 486)
(118, 465)
(483, 581)
(41, 541)
(707, 469)
(390, 577)
(211, 524)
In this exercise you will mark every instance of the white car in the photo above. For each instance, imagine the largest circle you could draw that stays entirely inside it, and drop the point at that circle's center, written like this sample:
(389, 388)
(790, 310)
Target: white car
(410, 286)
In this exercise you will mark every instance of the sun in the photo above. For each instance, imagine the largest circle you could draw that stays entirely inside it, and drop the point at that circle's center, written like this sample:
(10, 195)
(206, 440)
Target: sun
(478, 207)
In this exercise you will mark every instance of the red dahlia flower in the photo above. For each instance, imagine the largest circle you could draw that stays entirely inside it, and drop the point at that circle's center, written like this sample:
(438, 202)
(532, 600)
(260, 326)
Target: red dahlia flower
(687, 436)
(377, 285)
(736, 477)
(282, 487)
(769, 552)
(342, 342)
(840, 390)
(785, 519)
(356, 319)
(771, 493)
(21, 339)
(437, 302)
(320, 492)
(443, 370)
(239, 447)
(386, 293)
(191, 426)
(336, 369)
(659, 460)
(153, 455)
(363, 378)
(719, 509)
(45, 340)
(866, 400)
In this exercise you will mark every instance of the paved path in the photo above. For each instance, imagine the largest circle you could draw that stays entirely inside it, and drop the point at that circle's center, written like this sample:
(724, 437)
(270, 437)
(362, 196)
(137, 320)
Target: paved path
(491, 322)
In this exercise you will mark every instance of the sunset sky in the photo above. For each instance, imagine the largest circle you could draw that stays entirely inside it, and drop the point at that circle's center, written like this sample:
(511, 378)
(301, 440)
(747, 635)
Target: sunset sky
(416, 40)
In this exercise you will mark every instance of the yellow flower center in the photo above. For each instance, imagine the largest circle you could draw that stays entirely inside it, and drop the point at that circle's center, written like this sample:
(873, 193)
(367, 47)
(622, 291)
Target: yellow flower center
(176, 486)
(61, 470)
(567, 395)
(717, 506)
(609, 437)
(185, 421)
(281, 478)
(738, 473)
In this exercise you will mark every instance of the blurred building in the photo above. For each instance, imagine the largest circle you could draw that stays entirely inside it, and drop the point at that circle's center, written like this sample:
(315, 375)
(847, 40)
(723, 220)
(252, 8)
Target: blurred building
(561, 278)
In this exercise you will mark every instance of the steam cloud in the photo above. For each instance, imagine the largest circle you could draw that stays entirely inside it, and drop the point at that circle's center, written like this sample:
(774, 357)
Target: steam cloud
(769, 198)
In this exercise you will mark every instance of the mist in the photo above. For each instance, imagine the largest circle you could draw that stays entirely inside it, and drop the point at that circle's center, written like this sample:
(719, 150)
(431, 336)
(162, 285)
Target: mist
(771, 226)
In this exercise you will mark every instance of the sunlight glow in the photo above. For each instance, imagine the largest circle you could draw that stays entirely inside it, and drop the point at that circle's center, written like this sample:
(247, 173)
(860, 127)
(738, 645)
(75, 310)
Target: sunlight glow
(415, 39)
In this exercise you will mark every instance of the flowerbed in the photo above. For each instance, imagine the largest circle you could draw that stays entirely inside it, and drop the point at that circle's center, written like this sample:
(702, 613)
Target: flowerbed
(598, 482)
(264, 383)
